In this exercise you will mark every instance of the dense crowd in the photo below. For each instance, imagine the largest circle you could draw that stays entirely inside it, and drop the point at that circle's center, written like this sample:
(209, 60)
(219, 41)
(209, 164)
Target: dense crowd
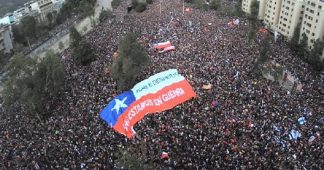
(242, 122)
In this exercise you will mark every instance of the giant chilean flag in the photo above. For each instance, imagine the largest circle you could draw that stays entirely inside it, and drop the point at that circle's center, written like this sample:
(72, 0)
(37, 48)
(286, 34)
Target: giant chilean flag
(158, 93)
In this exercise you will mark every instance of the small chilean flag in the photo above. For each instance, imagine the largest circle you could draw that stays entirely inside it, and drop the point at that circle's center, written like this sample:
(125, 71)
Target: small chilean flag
(170, 48)
(162, 45)
(164, 155)
(188, 9)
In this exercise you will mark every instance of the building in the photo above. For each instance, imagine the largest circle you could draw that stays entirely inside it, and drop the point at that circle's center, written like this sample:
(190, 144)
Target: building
(272, 13)
(43, 7)
(292, 12)
(24, 11)
(313, 21)
(262, 6)
(284, 15)
(5, 39)
(246, 7)
(20, 13)
(7, 19)
(57, 4)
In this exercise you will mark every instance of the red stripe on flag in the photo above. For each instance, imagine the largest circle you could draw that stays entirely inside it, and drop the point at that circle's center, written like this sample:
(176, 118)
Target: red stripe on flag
(162, 45)
(164, 99)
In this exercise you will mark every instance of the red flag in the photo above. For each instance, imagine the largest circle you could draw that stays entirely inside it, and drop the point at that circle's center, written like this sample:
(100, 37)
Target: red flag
(188, 10)
(164, 155)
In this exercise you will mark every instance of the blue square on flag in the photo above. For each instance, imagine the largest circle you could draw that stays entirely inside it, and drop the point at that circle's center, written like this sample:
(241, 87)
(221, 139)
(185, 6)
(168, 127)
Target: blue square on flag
(117, 107)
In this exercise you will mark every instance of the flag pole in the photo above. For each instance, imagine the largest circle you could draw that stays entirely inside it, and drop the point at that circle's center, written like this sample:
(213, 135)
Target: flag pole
(182, 7)
(160, 7)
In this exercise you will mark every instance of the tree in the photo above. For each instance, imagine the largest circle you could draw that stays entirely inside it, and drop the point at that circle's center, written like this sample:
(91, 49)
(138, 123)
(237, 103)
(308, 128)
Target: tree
(4, 58)
(149, 1)
(65, 13)
(48, 78)
(251, 34)
(86, 8)
(134, 3)
(300, 48)
(105, 14)
(84, 29)
(18, 35)
(28, 27)
(61, 45)
(83, 53)
(50, 18)
(200, 4)
(265, 52)
(140, 7)
(253, 17)
(18, 47)
(315, 55)
(130, 63)
(128, 159)
(33, 84)
(18, 73)
(303, 47)
(215, 4)
(294, 41)
(75, 37)
(115, 3)
(238, 9)
(29, 30)
(254, 9)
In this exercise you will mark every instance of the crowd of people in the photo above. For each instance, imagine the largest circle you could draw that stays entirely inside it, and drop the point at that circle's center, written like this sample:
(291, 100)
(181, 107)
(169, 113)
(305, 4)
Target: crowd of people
(243, 121)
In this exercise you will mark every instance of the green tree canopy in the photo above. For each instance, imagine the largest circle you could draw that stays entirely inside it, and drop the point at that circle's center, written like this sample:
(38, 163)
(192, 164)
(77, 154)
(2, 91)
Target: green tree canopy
(33, 84)
(75, 37)
(61, 45)
(215, 4)
(149, 1)
(139, 6)
(115, 3)
(294, 41)
(315, 55)
(265, 50)
(83, 53)
(87, 8)
(238, 9)
(303, 47)
(75, 6)
(254, 9)
(18, 35)
(253, 17)
(28, 26)
(130, 63)
(201, 4)
(50, 17)
(105, 14)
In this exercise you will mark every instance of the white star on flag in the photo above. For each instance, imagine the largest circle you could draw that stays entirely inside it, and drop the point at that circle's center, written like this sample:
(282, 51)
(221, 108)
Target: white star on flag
(119, 104)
